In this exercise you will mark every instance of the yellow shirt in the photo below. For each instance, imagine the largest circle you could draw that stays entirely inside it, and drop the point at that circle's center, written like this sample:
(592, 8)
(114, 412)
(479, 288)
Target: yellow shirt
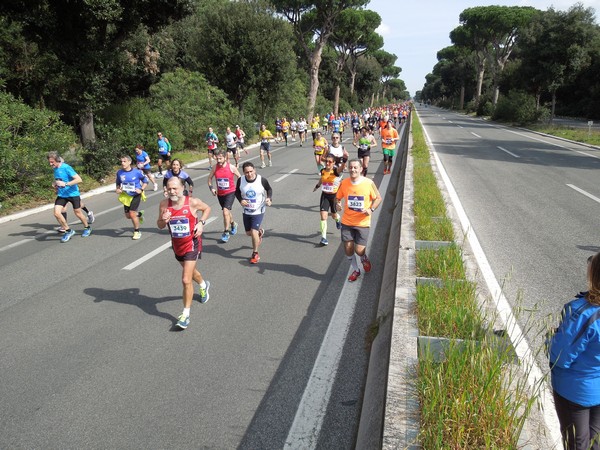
(319, 145)
(265, 135)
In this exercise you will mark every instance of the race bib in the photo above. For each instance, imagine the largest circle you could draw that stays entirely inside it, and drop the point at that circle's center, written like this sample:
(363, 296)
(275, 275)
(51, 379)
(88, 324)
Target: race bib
(363, 146)
(128, 187)
(388, 141)
(180, 227)
(251, 206)
(223, 184)
(356, 202)
(328, 188)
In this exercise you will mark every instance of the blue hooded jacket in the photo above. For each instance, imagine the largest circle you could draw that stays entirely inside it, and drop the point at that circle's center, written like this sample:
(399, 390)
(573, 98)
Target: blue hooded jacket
(575, 353)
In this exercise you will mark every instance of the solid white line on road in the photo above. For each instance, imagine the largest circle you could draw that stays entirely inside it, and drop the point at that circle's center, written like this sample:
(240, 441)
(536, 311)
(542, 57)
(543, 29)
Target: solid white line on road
(587, 194)
(153, 253)
(535, 376)
(510, 153)
(476, 135)
(286, 175)
(554, 144)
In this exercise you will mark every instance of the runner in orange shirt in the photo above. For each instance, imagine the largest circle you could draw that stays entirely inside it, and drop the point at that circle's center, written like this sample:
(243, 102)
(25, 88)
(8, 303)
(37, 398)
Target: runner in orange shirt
(361, 199)
(389, 136)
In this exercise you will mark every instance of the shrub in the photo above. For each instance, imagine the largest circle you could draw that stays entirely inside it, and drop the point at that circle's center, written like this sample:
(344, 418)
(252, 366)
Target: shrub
(517, 107)
(26, 136)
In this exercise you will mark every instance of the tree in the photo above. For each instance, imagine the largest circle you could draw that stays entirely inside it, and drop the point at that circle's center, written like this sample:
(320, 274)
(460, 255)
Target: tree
(491, 32)
(559, 47)
(242, 48)
(353, 36)
(81, 44)
(389, 71)
(313, 23)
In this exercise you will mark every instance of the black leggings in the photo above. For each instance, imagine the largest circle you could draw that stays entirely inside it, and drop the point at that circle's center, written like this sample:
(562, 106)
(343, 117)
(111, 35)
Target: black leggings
(578, 424)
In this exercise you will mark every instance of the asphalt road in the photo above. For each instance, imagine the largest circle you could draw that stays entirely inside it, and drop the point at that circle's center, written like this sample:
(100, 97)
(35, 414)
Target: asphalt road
(90, 357)
(533, 202)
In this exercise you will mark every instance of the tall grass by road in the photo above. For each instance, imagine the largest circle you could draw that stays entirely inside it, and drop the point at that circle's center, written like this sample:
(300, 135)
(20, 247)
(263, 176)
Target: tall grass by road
(473, 398)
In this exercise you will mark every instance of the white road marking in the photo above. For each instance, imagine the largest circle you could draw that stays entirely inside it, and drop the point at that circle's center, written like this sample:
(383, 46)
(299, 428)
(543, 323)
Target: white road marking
(535, 376)
(153, 253)
(552, 143)
(510, 153)
(587, 194)
(286, 175)
(476, 135)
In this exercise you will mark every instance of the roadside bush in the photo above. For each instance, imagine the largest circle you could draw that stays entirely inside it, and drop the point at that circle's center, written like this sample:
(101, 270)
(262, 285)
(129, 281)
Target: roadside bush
(485, 107)
(517, 107)
(136, 121)
(186, 98)
(26, 135)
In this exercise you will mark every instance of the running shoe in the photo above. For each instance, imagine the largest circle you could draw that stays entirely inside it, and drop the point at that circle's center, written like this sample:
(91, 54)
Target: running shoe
(261, 233)
(338, 224)
(86, 232)
(234, 227)
(254, 259)
(262, 166)
(155, 187)
(141, 216)
(68, 235)
(183, 321)
(270, 163)
(136, 235)
(204, 296)
(225, 236)
(354, 275)
(91, 217)
(158, 175)
(324, 241)
(366, 263)
(61, 229)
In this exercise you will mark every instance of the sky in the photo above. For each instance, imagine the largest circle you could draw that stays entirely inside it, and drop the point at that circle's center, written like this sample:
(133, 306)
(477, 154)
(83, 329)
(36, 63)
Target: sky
(416, 30)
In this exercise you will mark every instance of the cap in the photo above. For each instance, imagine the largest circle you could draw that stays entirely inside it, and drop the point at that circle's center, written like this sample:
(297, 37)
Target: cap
(237, 126)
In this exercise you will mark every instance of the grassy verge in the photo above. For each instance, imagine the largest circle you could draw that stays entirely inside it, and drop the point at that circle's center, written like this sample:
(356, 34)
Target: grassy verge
(470, 399)
(573, 134)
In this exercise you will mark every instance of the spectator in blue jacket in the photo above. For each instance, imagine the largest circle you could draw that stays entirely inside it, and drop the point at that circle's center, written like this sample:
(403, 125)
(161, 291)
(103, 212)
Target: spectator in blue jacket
(575, 366)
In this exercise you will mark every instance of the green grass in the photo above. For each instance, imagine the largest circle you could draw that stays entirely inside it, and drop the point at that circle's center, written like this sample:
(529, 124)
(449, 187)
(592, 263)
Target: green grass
(445, 262)
(573, 134)
(450, 311)
(471, 400)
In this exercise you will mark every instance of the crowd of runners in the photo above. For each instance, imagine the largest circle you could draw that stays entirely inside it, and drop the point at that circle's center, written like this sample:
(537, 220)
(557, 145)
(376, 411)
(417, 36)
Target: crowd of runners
(349, 201)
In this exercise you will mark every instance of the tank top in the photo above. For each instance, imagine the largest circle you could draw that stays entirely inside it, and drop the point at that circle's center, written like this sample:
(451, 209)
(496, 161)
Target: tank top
(224, 177)
(255, 194)
(181, 226)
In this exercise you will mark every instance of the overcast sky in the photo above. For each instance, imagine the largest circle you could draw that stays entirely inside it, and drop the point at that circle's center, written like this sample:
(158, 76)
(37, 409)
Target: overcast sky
(416, 30)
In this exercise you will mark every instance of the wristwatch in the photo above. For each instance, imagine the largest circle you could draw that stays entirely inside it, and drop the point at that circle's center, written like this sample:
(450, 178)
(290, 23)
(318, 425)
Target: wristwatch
(203, 222)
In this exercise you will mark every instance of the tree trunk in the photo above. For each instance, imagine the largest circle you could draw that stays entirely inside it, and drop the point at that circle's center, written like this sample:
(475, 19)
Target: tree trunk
(336, 100)
(553, 107)
(462, 97)
(352, 81)
(480, 73)
(86, 127)
(315, 64)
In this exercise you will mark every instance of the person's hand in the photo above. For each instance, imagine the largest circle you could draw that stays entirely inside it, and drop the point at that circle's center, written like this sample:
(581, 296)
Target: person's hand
(166, 215)
(268, 202)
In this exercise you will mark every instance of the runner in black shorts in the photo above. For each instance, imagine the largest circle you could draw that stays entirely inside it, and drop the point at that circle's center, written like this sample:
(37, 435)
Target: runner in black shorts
(364, 143)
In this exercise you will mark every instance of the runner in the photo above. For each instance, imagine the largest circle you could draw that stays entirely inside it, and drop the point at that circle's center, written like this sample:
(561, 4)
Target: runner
(143, 163)
(67, 191)
(240, 134)
(164, 152)
(177, 171)
(265, 145)
(294, 129)
(231, 143)
(225, 175)
(337, 150)
(329, 183)
(364, 144)
(314, 126)
(254, 193)
(130, 184)
(285, 128)
(355, 121)
(302, 130)
(278, 130)
(320, 146)
(389, 136)
(362, 199)
(179, 213)
(211, 142)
